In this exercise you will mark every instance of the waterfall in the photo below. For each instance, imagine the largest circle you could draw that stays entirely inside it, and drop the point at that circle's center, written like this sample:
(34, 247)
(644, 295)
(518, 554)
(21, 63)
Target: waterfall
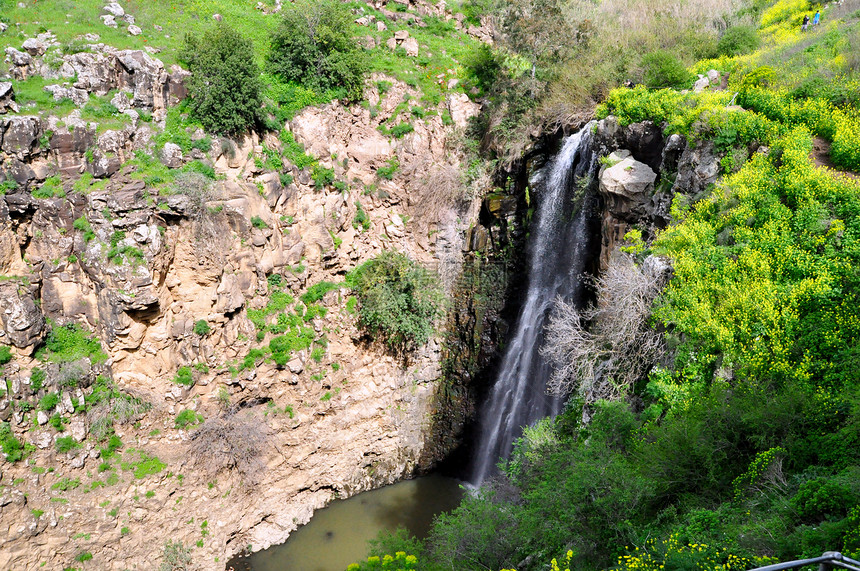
(558, 253)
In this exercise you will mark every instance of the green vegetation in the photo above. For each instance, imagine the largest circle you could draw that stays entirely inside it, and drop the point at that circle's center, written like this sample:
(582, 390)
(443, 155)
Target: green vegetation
(387, 172)
(398, 300)
(65, 444)
(290, 329)
(662, 69)
(144, 466)
(225, 87)
(184, 376)
(361, 219)
(201, 327)
(738, 40)
(739, 450)
(70, 343)
(66, 484)
(187, 418)
(12, 448)
(49, 401)
(51, 188)
(314, 47)
(5, 354)
(175, 556)
(316, 292)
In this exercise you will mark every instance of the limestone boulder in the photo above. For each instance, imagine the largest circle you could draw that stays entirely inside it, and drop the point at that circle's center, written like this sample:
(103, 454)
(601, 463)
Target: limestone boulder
(23, 65)
(34, 47)
(627, 187)
(462, 109)
(701, 84)
(78, 96)
(7, 97)
(171, 155)
(115, 9)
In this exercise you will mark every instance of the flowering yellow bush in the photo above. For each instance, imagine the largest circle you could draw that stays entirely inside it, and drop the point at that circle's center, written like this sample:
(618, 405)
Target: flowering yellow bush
(400, 561)
(671, 553)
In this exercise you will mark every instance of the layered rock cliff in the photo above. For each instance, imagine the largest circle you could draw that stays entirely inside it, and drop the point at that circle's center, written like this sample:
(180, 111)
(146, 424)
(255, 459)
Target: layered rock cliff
(172, 282)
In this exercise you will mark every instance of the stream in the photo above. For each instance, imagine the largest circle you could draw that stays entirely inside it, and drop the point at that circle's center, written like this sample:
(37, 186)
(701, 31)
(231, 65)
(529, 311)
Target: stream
(337, 535)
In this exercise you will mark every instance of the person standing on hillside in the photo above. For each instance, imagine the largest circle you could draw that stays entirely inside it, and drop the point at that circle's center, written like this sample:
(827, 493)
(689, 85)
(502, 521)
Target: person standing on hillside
(817, 18)
(805, 23)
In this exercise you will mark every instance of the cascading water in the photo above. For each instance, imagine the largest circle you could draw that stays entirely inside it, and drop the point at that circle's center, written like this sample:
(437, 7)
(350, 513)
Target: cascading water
(558, 253)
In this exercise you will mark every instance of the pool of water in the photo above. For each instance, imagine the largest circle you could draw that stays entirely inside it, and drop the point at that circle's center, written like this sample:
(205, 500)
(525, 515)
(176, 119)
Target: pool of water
(337, 535)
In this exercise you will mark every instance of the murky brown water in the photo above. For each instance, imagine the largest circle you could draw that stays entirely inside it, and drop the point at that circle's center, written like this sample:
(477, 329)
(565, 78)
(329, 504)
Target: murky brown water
(337, 535)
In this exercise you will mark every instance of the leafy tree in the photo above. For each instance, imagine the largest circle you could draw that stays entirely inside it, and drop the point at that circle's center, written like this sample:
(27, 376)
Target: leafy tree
(663, 69)
(314, 47)
(225, 81)
(536, 30)
(399, 299)
(738, 40)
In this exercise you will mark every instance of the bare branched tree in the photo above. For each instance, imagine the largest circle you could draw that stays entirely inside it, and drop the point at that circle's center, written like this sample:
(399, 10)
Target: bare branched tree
(233, 443)
(600, 351)
(439, 186)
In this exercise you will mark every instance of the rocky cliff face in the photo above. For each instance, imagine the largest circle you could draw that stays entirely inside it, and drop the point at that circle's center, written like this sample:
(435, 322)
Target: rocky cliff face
(643, 173)
(87, 239)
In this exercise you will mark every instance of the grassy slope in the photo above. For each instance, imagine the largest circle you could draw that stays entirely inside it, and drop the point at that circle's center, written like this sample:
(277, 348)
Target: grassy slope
(442, 47)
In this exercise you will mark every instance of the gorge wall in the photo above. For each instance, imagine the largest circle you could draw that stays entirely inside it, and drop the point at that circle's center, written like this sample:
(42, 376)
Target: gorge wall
(141, 270)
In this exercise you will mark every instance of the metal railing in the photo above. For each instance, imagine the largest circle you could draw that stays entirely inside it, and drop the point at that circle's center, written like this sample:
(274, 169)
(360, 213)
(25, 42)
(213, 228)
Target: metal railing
(828, 560)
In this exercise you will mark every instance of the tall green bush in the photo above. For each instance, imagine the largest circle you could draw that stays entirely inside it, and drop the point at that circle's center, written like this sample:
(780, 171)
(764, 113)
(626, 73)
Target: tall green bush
(738, 40)
(399, 299)
(225, 87)
(662, 69)
(314, 47)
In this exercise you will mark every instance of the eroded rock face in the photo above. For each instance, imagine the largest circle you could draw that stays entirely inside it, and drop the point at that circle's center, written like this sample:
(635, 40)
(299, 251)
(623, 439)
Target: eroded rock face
(22, 321)
(21, 136)
(148, 268)
(698, 169)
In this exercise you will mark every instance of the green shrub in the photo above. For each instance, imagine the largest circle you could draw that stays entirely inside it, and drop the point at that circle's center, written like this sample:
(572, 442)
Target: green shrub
(317, 354)
(49, 401)
(314, 47)
(66, 484)
(66, 444)
(387, 172)
(401, 129)
(56, 421)
(184, 377)
(70, 343)
(114, 444)
(258, 222)
(12, 448)
(5, 354)
(201, 327)
(317, 291)
(322, 176)
(738, 40)
(361, 219)
(398, 299)
(224, 88)
(662, 69)
(188, 418)
(83, 556)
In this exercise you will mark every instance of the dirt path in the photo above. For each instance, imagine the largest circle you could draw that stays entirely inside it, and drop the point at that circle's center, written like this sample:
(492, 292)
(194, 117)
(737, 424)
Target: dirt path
(821, 157)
